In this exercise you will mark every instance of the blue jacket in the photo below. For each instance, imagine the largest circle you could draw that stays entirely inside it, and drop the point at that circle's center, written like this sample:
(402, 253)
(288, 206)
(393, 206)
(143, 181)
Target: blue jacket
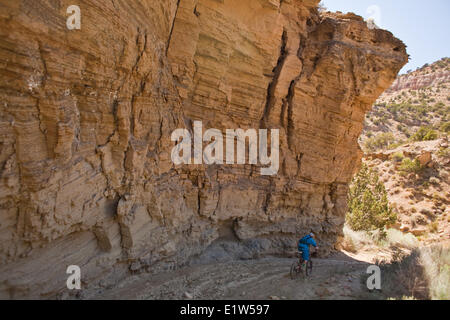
(305, 242)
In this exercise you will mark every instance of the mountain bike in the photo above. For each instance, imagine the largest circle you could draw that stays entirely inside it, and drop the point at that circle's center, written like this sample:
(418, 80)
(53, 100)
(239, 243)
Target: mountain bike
(298, 269)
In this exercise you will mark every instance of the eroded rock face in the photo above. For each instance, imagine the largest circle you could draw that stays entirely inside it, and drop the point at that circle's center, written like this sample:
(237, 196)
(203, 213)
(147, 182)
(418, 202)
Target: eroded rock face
(424, 77)
(87, 115)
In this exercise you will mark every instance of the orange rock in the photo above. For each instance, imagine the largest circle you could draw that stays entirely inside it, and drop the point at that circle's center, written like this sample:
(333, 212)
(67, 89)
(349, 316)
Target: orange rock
(425, 158)
(87, 117)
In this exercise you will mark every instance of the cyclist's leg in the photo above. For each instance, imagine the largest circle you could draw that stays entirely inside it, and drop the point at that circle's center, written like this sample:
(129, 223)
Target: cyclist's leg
(305, 257)
(302, 248)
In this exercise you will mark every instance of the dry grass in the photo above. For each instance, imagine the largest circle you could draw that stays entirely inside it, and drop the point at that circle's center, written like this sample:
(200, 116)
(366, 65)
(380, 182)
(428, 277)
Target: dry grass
(413, 272)
(397, 238)
(436, 263)
(424, 274)
(355, 241)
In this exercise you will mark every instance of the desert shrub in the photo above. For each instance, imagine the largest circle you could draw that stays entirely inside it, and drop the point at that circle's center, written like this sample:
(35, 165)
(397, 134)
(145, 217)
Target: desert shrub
(380, 141)
(399, 239)
(431, 135)
(397, 157)
(355, 241)
(395, 145)
(433, 227)
(441, 63)
(434, 180)
(445, 127)
(425, 134)
(409, 165)
(384, 118)
(443, 152)
(438, 105)
(436, 261)
(368, 205)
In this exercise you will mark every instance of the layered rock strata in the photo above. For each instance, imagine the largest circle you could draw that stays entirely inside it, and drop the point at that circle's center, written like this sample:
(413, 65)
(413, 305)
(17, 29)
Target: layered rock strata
(86, 118)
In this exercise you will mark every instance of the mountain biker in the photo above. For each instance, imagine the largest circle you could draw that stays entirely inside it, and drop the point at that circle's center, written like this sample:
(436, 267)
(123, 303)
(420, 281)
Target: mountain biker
(303, 247)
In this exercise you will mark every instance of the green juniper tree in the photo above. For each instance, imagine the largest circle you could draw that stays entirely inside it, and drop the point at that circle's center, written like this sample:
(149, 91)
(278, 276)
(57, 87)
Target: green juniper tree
(368, 206)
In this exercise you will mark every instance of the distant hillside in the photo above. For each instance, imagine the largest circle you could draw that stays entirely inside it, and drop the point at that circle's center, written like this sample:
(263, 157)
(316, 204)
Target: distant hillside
(427, 76)
(417, 179)
(405, 140)
(415, 108)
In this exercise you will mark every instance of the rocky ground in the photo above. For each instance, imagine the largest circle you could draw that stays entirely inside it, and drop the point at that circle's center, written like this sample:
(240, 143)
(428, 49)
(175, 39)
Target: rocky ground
(341, 276)
(337, 277)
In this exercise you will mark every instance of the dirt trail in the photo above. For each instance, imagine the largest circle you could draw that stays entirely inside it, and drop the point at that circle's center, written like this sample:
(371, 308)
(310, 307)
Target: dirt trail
(336, 277)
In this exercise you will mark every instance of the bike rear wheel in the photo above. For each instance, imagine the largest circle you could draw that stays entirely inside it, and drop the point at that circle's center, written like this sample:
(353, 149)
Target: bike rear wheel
(294, 270)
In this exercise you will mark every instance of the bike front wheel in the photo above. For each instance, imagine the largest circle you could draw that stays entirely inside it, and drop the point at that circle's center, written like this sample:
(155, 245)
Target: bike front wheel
(309, 267)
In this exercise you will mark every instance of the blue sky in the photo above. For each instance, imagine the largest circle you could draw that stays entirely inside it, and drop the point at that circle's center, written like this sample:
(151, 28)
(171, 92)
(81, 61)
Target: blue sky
(424, 26)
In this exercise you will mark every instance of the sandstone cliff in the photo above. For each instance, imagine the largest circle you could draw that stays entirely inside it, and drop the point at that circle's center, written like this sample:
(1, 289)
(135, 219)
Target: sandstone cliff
(86, 117)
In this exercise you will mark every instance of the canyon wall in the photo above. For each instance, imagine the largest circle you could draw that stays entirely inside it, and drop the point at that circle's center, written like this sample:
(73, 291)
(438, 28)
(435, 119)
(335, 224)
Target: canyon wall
(86, 118)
